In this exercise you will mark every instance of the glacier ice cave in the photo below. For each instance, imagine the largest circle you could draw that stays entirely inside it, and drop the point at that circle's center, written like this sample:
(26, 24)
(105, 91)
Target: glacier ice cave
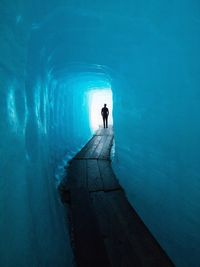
(53, 54)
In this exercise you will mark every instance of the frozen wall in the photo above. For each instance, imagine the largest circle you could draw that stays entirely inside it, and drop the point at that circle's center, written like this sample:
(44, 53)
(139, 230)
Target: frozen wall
(39, 127)
(149, 51)
(157, 128)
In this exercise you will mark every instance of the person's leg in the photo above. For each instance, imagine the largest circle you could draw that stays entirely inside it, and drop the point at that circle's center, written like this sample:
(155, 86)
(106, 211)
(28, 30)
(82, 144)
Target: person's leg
(106, 122)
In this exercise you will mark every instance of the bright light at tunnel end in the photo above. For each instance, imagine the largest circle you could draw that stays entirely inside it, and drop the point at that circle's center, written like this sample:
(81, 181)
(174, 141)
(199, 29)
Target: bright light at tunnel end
(96, 100)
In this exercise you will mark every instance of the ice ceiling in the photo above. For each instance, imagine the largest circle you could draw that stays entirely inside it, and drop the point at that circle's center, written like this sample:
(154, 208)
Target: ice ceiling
(52, 53)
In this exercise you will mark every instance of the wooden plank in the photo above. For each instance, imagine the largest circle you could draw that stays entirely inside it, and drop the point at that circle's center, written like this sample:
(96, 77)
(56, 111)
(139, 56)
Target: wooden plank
(99, 131)
(144, 244)
(109, 180)
(99, 148)
(105, 225)
(84, 150)
(110, 130)
(77, 174)
(89, 153)
(95, 182)
(117, 244)
(88, 243)
(105, 153)
(106, 131)
(158, 262)
(94, 146)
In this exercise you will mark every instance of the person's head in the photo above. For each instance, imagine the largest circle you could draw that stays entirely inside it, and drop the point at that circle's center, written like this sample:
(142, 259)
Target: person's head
(104, 105)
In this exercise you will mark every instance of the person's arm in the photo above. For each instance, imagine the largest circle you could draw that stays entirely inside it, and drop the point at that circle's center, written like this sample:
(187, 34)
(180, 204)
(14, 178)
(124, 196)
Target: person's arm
(108, 112)
(101, 112)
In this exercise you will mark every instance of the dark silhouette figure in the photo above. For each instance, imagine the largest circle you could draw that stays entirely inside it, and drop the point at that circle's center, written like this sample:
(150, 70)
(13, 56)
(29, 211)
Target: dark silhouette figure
(104, 114)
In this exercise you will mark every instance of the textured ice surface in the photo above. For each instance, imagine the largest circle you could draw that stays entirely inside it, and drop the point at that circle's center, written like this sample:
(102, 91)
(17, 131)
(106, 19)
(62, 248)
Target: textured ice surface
(51, 54)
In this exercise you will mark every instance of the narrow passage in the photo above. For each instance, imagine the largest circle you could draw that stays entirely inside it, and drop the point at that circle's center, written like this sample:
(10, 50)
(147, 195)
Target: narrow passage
(105, 229)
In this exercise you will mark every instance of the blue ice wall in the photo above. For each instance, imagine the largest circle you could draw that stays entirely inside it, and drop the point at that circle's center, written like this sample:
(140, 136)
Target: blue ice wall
(39, 127)
(150, 52)
(157, 128)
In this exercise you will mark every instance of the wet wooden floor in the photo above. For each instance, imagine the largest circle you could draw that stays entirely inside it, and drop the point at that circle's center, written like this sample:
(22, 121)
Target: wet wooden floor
(105, 229)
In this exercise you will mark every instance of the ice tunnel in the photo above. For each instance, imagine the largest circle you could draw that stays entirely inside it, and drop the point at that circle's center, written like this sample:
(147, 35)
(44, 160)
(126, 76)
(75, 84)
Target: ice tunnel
(53, 54)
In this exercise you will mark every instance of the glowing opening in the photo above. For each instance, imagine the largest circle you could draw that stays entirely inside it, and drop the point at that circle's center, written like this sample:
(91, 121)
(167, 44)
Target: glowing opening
(97, 99)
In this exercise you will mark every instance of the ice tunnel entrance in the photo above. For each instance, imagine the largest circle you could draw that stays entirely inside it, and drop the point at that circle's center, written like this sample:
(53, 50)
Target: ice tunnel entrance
(96, 99)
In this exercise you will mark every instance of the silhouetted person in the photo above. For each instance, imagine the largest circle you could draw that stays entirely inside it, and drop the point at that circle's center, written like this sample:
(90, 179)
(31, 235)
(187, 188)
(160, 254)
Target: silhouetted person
(104, 114)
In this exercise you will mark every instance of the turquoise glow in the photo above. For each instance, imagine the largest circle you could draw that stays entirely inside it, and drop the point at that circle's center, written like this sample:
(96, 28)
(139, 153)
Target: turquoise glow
(52, 54)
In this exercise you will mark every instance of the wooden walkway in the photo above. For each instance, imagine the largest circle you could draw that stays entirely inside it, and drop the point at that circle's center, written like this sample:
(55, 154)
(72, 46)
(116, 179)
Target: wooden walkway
(105, 229)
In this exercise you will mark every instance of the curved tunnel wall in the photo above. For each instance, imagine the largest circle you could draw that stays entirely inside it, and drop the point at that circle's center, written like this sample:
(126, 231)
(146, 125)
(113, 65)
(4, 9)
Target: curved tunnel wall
(150, 53)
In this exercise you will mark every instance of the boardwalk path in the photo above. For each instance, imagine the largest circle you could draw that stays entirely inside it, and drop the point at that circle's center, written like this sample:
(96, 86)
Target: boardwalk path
(105, 229)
